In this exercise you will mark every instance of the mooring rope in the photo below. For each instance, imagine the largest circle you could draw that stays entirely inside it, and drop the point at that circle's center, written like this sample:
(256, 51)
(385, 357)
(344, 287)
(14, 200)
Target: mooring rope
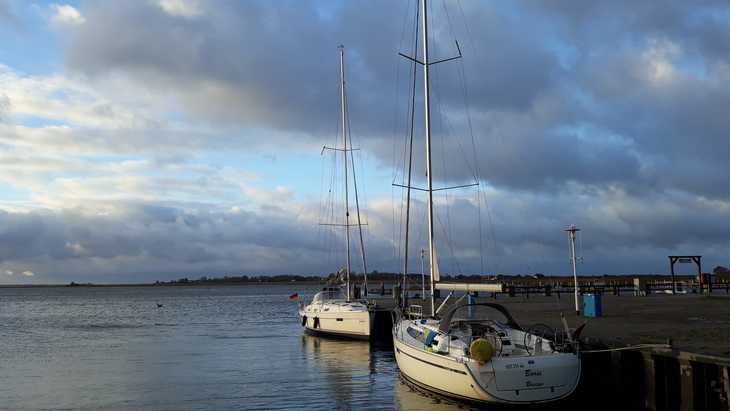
(631, 347)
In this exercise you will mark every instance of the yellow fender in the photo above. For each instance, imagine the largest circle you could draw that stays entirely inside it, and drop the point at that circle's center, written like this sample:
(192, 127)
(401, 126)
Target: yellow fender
(481, 350)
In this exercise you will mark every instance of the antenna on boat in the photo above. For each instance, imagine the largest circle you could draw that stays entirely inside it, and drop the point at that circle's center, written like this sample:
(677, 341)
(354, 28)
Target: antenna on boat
(572, 230)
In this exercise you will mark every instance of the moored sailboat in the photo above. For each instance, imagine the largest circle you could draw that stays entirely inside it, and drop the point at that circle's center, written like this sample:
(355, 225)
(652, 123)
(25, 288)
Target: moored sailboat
(333, 311)
(476, 352)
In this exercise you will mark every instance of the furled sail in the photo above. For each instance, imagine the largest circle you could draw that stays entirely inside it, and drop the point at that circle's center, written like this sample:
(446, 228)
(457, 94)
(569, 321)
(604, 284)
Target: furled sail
(436, 273)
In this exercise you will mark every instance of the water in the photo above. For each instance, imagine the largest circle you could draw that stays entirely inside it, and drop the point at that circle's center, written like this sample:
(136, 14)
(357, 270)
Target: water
(205, 348)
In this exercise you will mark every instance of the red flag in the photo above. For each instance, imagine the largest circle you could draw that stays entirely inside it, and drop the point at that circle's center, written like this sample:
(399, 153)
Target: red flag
(294, 297)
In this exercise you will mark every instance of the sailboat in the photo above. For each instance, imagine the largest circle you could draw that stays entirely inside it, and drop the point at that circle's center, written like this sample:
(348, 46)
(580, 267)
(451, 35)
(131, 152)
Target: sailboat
(333, 311)
(476, 352)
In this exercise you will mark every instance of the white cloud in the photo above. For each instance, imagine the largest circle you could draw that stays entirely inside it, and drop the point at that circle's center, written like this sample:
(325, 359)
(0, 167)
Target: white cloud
(60, 98)
(181, 8)
(658, 58)
(8, 272)
(66, 15)
(28, 273)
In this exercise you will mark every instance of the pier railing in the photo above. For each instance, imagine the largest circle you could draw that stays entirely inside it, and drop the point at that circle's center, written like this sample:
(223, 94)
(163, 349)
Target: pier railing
(614, 287)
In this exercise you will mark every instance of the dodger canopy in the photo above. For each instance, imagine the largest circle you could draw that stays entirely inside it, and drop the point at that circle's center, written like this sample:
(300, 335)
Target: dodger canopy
(477, 312)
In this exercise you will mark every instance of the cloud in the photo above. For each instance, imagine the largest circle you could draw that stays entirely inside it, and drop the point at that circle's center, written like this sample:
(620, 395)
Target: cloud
(610, 115)
(255, 64)
(135, 239)
(130, 241)
(586, 103)
(4, 108)
(181, 8)
(64, 14)
(28, 273)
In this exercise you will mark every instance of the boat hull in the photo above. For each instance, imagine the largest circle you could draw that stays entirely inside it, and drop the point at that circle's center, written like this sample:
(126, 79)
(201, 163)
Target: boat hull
(464, 381)
(344, 324)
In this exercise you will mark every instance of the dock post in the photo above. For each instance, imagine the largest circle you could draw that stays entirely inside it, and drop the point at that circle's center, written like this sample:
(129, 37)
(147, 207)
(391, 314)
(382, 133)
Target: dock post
(726, 385)
(616, 372)
(649, 381)
(687, 385)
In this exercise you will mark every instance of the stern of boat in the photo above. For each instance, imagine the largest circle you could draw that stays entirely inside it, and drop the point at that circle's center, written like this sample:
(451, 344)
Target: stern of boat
(531, 379)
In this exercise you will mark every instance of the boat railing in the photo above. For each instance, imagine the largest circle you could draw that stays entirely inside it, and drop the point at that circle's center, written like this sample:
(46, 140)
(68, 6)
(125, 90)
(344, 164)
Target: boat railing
(414, 312)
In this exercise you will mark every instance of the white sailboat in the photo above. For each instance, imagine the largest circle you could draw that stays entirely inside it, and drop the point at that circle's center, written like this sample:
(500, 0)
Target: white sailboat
(333, 311)
(477, 352)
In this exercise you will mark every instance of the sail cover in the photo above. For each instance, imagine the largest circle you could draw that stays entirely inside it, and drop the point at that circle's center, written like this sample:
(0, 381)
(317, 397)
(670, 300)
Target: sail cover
(436, 274)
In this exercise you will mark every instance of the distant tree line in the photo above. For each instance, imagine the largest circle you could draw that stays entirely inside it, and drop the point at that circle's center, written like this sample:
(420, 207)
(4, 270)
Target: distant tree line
(377, 277)
(242, 279)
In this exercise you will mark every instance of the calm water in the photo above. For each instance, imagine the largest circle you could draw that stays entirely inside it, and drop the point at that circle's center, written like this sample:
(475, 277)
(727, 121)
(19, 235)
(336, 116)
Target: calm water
(206, 348)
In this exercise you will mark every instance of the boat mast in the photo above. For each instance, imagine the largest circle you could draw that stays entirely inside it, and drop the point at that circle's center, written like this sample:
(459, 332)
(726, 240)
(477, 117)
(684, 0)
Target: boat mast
(427, 118)
(344, 151)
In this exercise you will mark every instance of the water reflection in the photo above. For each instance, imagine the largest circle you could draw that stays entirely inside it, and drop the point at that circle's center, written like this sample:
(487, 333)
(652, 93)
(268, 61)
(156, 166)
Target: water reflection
(360, 374)
(347, 367)
(409, 397)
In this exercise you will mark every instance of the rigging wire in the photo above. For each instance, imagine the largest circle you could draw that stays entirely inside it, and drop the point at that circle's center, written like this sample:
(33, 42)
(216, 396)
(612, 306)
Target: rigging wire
(475, 170)
(395, 225)
(444, 126)
(326, 213)
(357, 200)
(407, 147)
(410, 154)
(482, 192)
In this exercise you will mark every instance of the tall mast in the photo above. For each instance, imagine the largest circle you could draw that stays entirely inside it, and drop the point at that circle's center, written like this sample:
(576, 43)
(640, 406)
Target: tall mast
(427, 118)
(344, 140)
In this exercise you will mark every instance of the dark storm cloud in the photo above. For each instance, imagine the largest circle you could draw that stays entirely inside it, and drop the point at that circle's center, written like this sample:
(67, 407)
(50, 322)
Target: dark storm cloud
(156, 240)
(622, 232)
(558, 92)
(276, 66)
(144, 242)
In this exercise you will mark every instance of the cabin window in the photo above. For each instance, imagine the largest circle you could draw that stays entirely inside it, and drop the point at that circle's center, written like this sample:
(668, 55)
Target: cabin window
(417, 334)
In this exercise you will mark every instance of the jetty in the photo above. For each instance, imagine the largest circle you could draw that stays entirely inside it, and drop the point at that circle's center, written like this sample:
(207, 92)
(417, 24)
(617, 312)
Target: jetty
(650, 348)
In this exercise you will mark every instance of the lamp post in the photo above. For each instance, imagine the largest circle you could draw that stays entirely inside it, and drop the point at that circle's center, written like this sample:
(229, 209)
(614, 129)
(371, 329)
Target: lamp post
(572, 230)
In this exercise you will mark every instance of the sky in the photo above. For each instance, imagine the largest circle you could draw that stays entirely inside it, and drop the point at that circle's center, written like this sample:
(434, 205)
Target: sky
(159, 139)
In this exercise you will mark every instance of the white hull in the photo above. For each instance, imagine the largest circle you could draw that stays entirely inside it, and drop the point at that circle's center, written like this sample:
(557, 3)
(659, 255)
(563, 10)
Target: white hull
(352, 320)
(504, 379)
(446, 376)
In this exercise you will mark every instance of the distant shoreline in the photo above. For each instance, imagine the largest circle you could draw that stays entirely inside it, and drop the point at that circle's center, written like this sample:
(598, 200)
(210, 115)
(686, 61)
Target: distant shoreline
(210, 284)
(389, 279)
